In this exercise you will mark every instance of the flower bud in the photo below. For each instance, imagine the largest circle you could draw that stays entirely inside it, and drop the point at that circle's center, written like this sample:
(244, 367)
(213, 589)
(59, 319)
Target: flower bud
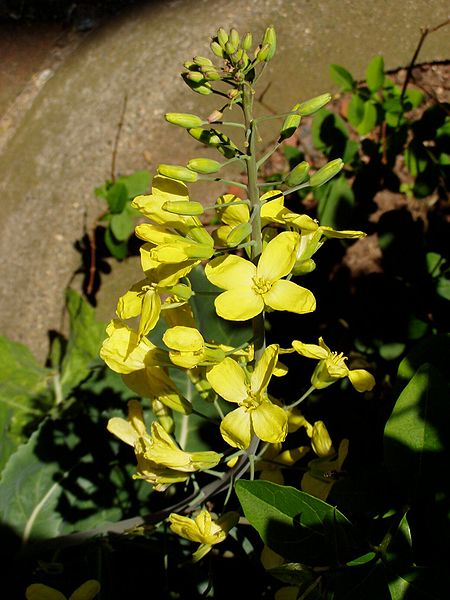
(234, 38)
(262, 52)
(217, 139)
(222, 37)
(215, 116)
(183, 207)
(182, 291)
(210, 74)
(184, 120)
(238, 234)
(201, 61)
(216, 49)
(194, 76)
(204, 165)
(290, 124)
(313, 105)
(298, 174)
(304, 267)
(247, 41)
(270, 39)
(177, 172)
(321, 441)
(202, 87)
(230, 48)
(199, 251)
(326, 173)
(163, 414)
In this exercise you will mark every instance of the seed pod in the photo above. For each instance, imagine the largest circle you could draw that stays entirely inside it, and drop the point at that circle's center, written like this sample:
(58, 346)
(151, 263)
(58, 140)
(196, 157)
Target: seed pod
(313, 105)
(204, 165)
(290, 124)
(183, 207)
(184, 120)
(222, 37)
(298, 174)
(326, 173)
(238, 234)
(247, 41)
(177, 172)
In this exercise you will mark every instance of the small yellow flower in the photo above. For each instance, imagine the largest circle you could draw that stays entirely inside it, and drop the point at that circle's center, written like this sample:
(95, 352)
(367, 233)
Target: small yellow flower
(332, 367)
(203, 529)
(38, 591)
(323, 472)
(251, 289)
(256, 414)
(160, 461)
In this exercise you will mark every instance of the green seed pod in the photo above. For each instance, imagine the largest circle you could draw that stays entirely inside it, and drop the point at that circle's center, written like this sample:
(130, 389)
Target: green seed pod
(177, 172)
(326, 173)
(183, 207)
(238, 234)
(222, 37)
(247, 41)
(298, 174)
(202, 61)
(311, 106)
(270, 38)
(290, 124)
(234, 37)
(204, 165)
(216, 49)
(183, 120)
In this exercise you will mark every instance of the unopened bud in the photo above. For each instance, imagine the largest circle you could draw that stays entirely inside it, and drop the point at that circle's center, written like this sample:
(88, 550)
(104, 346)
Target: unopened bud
(222, 36)
(234, 38)
(163, 414)
(238, 234)
(210, 74)
(321, 441)
(177, 172)
(194, 76)
(184, 120)
(216, 49)
(237, 56)
(201, 87)
(270, 39)
(199, 251)
(217, 139)
(262, 52)
(183, 207)
(290, 124)
(311, 106)
(304, 267)
(215, 116)
(247, 41)
(204, 165)
(230, 48)
(181, 291)
(326, 173)
(298, 174)
(233, 93)
(201, 61)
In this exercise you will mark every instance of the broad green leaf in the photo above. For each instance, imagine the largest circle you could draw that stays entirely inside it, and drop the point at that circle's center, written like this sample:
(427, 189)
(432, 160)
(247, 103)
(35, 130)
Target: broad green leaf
(443, 288)
(85, 338)
(117, 248)
(414, 97)
(117, 197)
(375, 74)
(355, 110)
(214, 328)
(297, 526)
(336, 204)
(30, 489)
(24, 394)
(136, 184)
(122, 225)
(369, 120)
(330, 135)
(342, 77)
(416, 158)
(434, 350)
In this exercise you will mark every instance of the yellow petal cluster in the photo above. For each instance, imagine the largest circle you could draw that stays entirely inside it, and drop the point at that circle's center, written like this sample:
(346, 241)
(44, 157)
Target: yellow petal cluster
(332, 366)
(203, 529)
(39, 591)
(251, 289)
(256, 414)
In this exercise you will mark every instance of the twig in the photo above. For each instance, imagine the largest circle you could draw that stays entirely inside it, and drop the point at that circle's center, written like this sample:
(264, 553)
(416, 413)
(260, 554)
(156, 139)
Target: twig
(424, 33)
(116, 141)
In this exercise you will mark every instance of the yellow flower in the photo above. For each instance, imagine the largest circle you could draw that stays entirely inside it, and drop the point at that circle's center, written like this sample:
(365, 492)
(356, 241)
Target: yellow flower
(203, 529)
(274, 460)
(332, 367)
(323, 472)
(38, 591)
(160, 461)
(256, 414)
(251, 289)
(174, 248)
(188, 348)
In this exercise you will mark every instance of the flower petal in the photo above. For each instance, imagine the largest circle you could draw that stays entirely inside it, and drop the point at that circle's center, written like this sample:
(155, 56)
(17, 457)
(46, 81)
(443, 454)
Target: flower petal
(184, 339)
(279, 256)
(239, 304)
(236, 428)
(270, 422)
(228, 380)
(361, 380)
(287, 295)
(230, 271)
(263, 371)
(310, 350)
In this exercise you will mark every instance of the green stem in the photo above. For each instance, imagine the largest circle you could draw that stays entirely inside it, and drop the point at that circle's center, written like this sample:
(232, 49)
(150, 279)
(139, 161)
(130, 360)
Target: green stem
(220, 180)
(305, 395)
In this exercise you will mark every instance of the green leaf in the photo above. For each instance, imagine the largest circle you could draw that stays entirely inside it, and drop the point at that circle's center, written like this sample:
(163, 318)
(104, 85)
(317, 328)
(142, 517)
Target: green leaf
(29, 491)
(122, 225)
(136, 184)
(214, 328)
(369, 120)
(299, 527)
(443, 288)
(24, 394)
(85, 338)
(355, 110)
(434, 350)
(117, 248)
(342, 77)
(117, 197)
(375, 74)
(416, 158)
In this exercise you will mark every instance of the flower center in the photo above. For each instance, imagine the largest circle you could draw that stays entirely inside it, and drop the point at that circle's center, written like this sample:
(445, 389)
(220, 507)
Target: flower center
(260, 285)
(251, 402)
